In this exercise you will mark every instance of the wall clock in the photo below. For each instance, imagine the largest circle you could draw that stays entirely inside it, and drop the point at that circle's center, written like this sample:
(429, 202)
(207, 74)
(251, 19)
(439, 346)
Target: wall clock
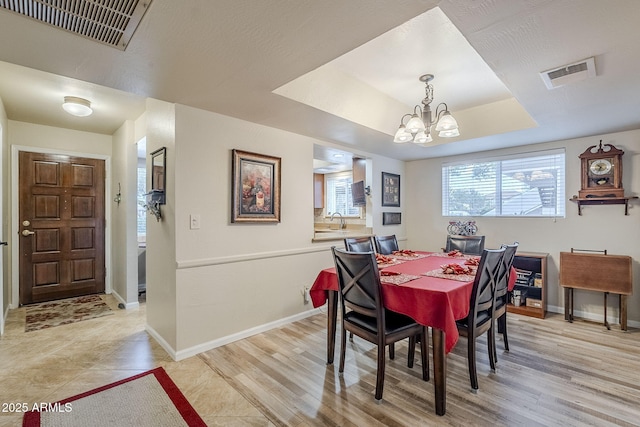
(601, 172)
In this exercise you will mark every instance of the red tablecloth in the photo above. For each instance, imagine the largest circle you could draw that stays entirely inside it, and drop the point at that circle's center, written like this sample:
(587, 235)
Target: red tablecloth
(428, 300)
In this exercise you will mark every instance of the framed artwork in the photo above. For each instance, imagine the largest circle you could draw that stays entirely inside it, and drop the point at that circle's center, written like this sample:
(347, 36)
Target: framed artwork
(390, 189)
(391, 218)
(255, 187)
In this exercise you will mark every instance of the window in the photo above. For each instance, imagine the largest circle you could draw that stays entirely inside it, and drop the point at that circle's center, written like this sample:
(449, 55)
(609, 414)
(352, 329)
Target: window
(142, 211)
(338, 194)
(529, 184)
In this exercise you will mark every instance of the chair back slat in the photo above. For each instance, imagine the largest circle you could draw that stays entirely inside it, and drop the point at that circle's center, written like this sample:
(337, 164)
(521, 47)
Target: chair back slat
(386, 245)
(358, 244)
(484, 285)
(359, 281)
(471, 245)
(505, 269)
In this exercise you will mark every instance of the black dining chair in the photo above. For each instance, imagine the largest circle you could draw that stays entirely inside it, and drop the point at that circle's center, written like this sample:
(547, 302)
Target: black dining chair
(358, 244)
(501, 295)
(385, 245)
(480, 317)
(364, 314)
(470, 245)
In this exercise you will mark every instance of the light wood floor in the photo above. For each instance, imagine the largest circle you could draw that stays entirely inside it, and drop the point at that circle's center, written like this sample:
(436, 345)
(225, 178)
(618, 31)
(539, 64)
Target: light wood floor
(556, 374)
(52, 364)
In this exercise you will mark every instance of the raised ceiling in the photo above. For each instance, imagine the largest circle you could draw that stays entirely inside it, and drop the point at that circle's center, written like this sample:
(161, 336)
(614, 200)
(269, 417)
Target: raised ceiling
(234, 56)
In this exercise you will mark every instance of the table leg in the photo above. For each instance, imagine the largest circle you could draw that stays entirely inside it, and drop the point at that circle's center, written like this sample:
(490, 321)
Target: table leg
(623, 312)
(439, 370)
(568, 304)
(606, 322)
(332, 312)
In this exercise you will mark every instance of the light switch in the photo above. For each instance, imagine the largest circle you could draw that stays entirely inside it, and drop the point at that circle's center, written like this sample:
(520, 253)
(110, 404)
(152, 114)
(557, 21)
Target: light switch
(194, 223)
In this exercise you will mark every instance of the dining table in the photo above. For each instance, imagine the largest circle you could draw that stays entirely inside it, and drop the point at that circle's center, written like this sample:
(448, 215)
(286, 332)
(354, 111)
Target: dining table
(414, 283)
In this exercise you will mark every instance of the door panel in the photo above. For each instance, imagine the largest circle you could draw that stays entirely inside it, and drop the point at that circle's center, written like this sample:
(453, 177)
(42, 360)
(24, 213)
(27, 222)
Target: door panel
(61, 225)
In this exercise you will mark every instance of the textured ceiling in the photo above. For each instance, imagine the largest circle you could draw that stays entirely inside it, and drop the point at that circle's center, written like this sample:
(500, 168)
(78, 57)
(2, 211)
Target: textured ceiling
(233, 56)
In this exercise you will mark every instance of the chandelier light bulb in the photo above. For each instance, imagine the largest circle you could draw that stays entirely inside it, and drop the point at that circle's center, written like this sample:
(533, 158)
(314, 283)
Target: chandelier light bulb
(402, 135)
(415, 124)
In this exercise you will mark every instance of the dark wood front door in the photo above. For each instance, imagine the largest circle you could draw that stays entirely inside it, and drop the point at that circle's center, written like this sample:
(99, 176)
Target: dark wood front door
(61, 226)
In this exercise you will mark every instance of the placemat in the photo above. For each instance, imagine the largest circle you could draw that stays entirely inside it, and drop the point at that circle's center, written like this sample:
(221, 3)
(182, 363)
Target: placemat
(398, 279)
(459, 277)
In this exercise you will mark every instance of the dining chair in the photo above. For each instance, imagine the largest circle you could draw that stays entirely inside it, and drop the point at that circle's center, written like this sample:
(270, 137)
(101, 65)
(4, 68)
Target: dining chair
(501, 295)
(358, 244)
(470, 245)
(385, 245)
(364, 314)
(480, 317)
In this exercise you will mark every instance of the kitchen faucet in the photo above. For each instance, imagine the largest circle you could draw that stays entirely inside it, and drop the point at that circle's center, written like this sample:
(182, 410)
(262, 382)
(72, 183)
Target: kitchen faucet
(342, 224)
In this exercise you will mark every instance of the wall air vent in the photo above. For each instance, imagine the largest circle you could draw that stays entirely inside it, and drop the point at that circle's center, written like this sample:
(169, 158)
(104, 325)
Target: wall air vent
(111, 22)
(570, 73)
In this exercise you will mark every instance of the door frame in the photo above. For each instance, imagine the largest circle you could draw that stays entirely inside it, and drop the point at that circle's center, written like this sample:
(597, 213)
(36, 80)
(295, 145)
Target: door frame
(15, 181)
(2, 234)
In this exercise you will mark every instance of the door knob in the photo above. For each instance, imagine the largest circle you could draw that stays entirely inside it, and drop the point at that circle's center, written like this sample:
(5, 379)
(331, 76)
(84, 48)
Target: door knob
(3, 243)
(27, 232)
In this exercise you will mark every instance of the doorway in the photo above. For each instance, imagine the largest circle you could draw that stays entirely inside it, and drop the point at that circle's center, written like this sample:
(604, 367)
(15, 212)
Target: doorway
(62, 226)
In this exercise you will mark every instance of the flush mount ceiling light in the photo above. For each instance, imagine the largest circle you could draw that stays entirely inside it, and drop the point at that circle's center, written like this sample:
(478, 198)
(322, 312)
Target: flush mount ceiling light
(418, 128)
(75, 106)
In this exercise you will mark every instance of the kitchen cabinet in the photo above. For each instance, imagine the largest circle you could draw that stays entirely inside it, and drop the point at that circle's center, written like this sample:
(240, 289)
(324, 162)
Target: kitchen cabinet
(318, 190)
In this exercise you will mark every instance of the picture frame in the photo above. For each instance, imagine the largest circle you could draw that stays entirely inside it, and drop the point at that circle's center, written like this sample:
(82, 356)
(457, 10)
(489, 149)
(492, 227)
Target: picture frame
(391, 218)
(390, 189)
(255, 187)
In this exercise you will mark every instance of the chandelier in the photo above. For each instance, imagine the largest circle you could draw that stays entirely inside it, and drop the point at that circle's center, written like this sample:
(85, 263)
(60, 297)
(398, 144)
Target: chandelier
(418, 128)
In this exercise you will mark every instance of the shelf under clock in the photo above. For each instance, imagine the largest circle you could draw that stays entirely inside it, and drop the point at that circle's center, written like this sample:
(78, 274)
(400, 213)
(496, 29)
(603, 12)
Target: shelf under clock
(602, 201)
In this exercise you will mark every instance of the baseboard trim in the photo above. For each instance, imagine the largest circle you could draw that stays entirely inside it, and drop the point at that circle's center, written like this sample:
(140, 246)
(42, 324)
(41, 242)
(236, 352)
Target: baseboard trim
(156, 336)
(201, 348)
(127, 305)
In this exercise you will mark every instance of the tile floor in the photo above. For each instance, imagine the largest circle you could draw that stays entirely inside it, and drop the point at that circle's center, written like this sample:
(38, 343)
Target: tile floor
(53, 364)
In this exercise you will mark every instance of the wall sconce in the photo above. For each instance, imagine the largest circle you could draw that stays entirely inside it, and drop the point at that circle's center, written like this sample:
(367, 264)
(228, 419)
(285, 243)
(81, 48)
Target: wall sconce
(118, 197)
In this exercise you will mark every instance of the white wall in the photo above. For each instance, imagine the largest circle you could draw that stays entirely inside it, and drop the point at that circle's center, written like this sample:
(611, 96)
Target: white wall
(4, 215)
(599, 227)
(123, 215)
(161, 237)
(232, 279)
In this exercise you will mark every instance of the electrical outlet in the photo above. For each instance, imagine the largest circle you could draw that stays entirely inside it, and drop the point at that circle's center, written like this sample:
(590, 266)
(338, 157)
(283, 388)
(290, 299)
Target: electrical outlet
(305, 294)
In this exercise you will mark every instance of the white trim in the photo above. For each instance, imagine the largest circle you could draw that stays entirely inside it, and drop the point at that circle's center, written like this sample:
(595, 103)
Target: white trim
(3, 313)
(201, 348)
(15, 253)
(247, 257)
(126, 305)
(165, 345)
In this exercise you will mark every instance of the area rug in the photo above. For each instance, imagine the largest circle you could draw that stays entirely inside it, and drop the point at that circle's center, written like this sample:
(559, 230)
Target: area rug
(62, 312)
(150, 399)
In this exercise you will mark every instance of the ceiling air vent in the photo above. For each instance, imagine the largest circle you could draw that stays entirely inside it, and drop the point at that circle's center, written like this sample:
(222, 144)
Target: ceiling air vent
(111, 22)
(570, 73)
